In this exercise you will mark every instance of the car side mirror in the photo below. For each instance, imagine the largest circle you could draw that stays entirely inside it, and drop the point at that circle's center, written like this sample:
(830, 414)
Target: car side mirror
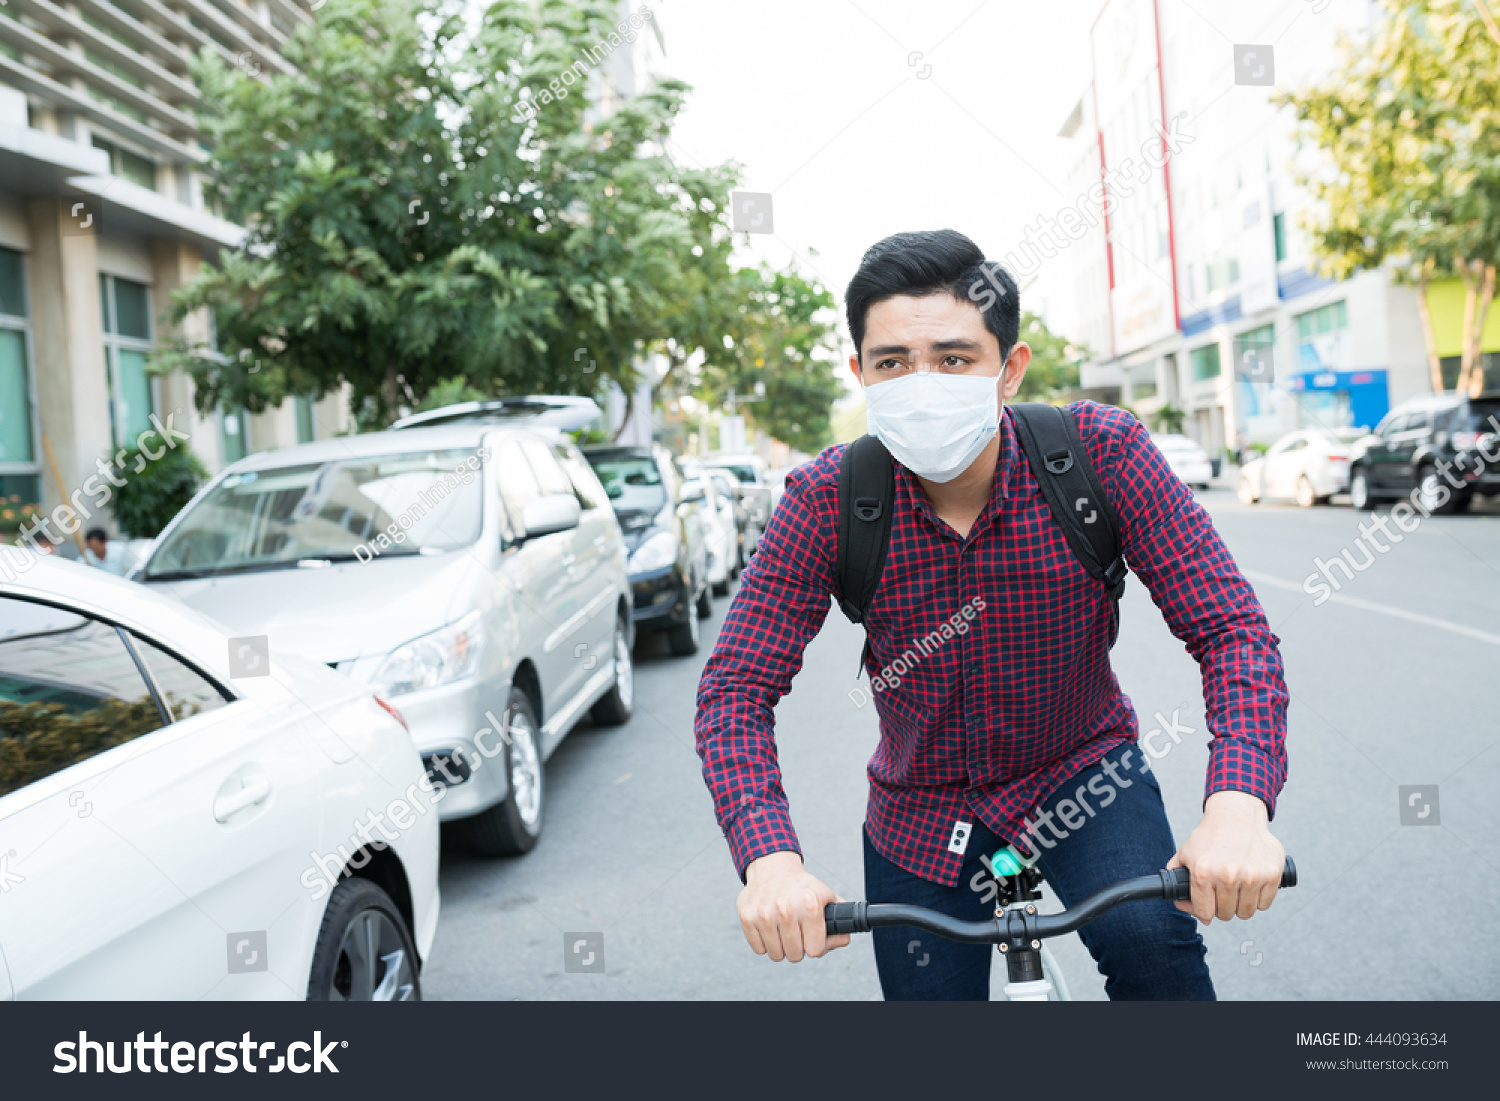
(692, 491)
(551, 514)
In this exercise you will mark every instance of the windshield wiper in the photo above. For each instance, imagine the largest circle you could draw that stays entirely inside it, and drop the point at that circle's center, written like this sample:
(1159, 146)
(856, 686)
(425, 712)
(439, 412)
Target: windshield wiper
(278, 564)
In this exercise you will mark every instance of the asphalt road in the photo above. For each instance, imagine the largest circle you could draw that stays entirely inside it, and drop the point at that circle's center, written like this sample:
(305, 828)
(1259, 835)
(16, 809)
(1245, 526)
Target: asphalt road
(1393, 683)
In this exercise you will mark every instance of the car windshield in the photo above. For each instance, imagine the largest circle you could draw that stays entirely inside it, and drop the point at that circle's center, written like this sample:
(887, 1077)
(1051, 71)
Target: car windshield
(267, 519)
(743, 471)
(632, 482)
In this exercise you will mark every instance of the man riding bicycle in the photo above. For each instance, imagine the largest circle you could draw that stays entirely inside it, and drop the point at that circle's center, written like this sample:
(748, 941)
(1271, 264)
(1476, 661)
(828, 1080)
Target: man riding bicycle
(988, 646)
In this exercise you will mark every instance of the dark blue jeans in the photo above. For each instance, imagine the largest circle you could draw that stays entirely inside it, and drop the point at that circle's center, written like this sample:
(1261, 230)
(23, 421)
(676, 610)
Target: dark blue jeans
(1145, 950)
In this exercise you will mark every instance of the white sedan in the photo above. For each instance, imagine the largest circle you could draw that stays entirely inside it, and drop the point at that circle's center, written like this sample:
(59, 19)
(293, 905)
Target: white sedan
(184, 815)
(1307, 466)
(1187, 459)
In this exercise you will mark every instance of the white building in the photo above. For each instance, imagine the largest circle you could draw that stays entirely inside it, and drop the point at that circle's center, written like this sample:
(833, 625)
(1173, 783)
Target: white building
(1185, 273)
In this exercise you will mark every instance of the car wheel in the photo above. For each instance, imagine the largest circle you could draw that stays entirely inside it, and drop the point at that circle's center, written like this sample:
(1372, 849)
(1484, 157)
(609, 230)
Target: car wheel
(1306, 495)
(512, 826)
(1433, 495)
(705, 602)
(721, 588)
(1359, 490)
(364, 951)
(684, 639)
(1246, 492)
(613, 707)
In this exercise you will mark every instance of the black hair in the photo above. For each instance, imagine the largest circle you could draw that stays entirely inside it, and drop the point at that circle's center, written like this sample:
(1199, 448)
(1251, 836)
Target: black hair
(936, 261)
(95, 533)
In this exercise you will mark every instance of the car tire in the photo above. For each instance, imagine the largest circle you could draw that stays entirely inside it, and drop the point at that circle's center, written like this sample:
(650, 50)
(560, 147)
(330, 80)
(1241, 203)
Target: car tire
(1307, 496)
(705, 602)
(513, 825)
(684, 639)
(1246, 492)
(721, 588)
(613, 708)
(1428, 475)
(1359, 490)
(352, 960)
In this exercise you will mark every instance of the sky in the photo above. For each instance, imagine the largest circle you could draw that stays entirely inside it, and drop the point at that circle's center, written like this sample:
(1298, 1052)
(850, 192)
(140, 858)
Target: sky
(864, 118)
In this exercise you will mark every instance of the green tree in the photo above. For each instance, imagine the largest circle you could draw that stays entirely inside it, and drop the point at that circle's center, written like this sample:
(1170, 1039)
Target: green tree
(1053, 372)
(1410, 123)
(421, 209)
(785, 338)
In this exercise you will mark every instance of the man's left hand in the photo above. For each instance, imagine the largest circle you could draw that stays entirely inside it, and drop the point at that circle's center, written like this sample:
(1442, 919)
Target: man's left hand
(1236, 863)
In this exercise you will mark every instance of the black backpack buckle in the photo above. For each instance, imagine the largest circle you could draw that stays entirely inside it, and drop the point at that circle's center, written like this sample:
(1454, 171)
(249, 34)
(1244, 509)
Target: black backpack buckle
(1060, 462)
(867, 508)
(1114, 576)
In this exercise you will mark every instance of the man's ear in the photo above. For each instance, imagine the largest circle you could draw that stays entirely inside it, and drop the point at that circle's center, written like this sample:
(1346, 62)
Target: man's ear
(1015, 369)
(859, 376)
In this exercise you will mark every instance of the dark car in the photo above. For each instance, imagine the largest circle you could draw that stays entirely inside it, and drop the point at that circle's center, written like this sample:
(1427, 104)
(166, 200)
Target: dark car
(1408, 446)
(668, 563)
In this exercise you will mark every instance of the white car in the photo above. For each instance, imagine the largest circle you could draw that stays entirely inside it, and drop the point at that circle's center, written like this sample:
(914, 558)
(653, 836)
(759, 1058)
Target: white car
(472, 574)
(181, 818)
(719, 530)
(1307, 466)
(1187, 459)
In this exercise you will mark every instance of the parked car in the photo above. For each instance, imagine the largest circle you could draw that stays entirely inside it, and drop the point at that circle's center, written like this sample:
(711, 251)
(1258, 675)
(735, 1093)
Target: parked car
(1187, 459)
(170, 830)
(1308, 466)
(473, 575)
(1406, 447)
(746, 533)
(753, 476)
(719, 530)
(562, 412)
(665, 538)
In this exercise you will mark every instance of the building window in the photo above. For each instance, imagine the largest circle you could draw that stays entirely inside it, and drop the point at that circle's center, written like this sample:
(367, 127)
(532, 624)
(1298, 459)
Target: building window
(1223, 272)
(234, 435)
(20, 484)
(1323, 339)
(127, 165)
(127, 343)
(1278, 230)
(1206, 362)
(307, 428)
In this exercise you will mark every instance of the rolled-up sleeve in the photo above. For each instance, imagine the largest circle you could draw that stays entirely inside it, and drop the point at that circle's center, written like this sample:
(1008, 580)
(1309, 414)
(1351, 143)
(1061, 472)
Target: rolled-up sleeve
(781, 604)
(1171, 544)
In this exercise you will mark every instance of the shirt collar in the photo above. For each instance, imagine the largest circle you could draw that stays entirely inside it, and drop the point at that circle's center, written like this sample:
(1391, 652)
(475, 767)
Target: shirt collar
(1005, 464)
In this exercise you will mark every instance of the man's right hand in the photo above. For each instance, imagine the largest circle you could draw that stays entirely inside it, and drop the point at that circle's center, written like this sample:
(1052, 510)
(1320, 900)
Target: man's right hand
(781, 909)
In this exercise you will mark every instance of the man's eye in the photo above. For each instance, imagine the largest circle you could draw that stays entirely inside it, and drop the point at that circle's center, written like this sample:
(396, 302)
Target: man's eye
(955, 361)
(889, 365)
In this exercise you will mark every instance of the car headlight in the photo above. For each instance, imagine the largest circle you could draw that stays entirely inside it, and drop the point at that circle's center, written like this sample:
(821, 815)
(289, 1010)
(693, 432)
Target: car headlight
(442, 657)
(655, 553)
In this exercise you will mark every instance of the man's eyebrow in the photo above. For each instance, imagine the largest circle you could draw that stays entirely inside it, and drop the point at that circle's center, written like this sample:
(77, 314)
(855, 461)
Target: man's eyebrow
(957, 344)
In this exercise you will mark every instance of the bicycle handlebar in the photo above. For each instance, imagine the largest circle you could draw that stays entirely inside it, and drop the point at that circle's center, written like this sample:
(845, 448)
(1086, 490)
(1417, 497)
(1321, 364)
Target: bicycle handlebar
(1173, 885)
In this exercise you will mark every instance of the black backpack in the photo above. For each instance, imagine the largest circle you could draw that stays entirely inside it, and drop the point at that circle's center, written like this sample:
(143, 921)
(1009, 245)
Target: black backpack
(1049, 437)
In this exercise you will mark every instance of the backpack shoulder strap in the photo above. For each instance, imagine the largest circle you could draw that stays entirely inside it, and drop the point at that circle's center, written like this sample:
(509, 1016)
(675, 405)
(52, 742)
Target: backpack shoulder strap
(1066, 474)
(867, 491)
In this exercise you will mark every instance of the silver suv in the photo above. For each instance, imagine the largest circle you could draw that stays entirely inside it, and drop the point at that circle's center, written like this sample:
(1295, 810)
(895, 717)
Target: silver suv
(472, 575)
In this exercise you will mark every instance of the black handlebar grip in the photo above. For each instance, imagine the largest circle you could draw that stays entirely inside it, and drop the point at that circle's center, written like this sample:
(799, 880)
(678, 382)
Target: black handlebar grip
(1177, 882)
(845, 917)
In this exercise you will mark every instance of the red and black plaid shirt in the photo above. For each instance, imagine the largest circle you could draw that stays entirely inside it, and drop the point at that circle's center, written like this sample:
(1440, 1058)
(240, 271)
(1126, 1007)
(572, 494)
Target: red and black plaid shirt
(989, 721)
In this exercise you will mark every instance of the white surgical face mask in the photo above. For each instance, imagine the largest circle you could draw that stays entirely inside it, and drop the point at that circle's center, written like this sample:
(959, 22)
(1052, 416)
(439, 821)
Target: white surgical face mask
(935, 425)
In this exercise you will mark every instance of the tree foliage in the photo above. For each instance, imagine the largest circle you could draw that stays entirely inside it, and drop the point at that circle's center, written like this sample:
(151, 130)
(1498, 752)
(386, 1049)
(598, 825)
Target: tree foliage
(426, 217)
(1410, 125)
(1053, 372)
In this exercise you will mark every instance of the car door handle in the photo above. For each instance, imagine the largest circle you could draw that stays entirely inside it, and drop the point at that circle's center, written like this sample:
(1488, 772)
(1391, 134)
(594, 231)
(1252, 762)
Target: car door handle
(253, 792)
